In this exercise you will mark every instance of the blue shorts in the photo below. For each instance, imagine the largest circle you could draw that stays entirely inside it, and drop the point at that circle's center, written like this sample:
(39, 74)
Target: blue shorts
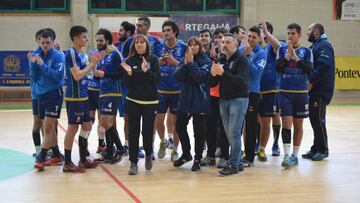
(93, 99)
(35, 106)
(168, 101)
(50, 104)
(268, 106)
(109, 105)
(78, 112)
(122, 105)
(294, 104)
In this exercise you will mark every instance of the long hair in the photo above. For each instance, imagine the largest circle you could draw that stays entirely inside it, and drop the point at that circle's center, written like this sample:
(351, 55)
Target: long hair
(139, 37)
(197, 41)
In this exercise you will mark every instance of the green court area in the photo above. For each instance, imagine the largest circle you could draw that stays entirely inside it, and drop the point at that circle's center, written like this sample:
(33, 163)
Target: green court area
(14, 163)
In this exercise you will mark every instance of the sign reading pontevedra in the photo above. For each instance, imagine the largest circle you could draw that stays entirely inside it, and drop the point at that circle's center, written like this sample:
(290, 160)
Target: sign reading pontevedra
(190, 25)
(347, 73)
(14, 68)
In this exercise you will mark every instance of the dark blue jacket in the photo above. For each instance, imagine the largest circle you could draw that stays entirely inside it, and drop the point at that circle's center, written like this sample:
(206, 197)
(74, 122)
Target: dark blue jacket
(322, 76)
(195, 91)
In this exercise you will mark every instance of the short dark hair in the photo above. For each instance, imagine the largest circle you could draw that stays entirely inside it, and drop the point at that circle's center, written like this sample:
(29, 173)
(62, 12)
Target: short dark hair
(128, 27)
(236, 29)
(52, 32)
(173, 26)
(255, 29)
(47, 34)
(269, 26)
(107, 34)
(204, 31)
(38, 33)
(76, 30)
(146, 20)
(219, 30)
(294, 26)
(320, 28)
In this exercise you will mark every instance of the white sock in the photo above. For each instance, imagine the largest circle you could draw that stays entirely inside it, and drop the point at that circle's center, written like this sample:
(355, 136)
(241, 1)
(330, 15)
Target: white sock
(170, 135)
(126, 143)
(37, 149)
(296, 150)
(287, 149)
(262, 148)
(175, 148)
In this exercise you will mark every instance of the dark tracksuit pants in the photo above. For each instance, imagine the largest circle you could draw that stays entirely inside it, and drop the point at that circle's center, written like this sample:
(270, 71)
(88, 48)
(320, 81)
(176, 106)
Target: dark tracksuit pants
(251, 125)
(317, 113)
(146, 113)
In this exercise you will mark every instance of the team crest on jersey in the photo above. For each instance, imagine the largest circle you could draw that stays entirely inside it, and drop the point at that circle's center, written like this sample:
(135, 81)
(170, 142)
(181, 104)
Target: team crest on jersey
(301, 53)
(178, 52)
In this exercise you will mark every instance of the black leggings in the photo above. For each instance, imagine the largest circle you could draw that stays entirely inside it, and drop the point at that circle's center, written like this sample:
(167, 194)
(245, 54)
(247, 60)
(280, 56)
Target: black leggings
(251, 125)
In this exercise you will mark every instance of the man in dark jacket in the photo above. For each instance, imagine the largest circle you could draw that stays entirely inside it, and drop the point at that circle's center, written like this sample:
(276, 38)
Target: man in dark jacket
(233, 78)
(322, 80)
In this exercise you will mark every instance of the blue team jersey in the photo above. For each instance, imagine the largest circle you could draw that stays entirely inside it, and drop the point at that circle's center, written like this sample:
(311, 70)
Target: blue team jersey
(153, 41)
(111, 63)
(293, 79)
(75, 90)
(167, 84)
(50, 75)
(119, 45)
(270, 79)
(257, 63)
(93, 83)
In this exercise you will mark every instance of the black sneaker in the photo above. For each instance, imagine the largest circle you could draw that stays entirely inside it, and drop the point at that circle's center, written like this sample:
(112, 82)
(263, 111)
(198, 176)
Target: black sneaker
(117, 157)
(183, 159)
(196, 165)
(308, 155)
(229, 171)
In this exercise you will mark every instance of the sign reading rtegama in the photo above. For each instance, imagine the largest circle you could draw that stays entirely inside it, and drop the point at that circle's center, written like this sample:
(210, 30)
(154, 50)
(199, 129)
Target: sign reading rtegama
(14, 68)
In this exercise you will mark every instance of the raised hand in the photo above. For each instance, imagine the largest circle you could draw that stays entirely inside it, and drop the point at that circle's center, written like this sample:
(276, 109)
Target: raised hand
(189, 56)
(30, 57)
(99, 73)
(144, 65)
(127, 68)
(96, 57)
(38, 60)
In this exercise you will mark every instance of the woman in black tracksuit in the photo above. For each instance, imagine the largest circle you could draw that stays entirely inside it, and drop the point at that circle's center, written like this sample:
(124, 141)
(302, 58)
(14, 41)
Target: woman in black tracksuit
(142, 74)
(194, 100)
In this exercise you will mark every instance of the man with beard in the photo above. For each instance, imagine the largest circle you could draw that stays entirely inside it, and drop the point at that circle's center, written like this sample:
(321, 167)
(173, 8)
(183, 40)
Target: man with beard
(109, 70)
(321, 87)
(126, 31)
(239, 32)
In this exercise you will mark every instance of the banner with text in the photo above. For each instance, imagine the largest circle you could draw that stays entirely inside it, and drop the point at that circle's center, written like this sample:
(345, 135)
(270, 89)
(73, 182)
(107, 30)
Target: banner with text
(347, 73)
(14, 68)
(347, 9)
(190, 25)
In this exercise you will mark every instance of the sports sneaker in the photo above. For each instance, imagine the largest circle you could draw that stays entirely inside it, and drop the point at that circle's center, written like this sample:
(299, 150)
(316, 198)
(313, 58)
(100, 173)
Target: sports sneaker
(319, 156)
(87, 164)
(148, 162)
(54, 161)
(101, 149)
(162, 150)
(223, 163)
(182, 160)
(117, 157)
(275, 150)
(262, 155)
(228, 171)
(243, 154)
(293, 161)
(126, 150)
(285, 162)
(208, 161)
(308, 155)
(133, 169)
(141, 154)
(217, 152)
(72, 168)
(247, 163)
(174, 156)
(40, 166)
(196, 165)
(170, 143)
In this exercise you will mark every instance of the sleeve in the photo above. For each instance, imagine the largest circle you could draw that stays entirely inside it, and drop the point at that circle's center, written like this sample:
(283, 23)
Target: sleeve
(70, 58)
(126, 47)
(324, 60)
(56, 70)
(307, 63)
(199, 72)
(118, 74)
(213, 80)
(153, 74)
(258, 65)
(241, 77)
(180, 73)
(281, 62)
(127, 78)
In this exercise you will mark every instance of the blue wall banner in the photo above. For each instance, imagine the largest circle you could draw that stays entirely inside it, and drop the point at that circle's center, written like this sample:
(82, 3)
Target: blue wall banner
(190, 25)
(14, 68)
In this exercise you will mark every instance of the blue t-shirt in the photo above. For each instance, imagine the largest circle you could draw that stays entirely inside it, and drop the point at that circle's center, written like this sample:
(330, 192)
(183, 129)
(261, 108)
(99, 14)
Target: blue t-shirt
(167, 84)
(293, 78)
(75, 90)
(111, 63)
